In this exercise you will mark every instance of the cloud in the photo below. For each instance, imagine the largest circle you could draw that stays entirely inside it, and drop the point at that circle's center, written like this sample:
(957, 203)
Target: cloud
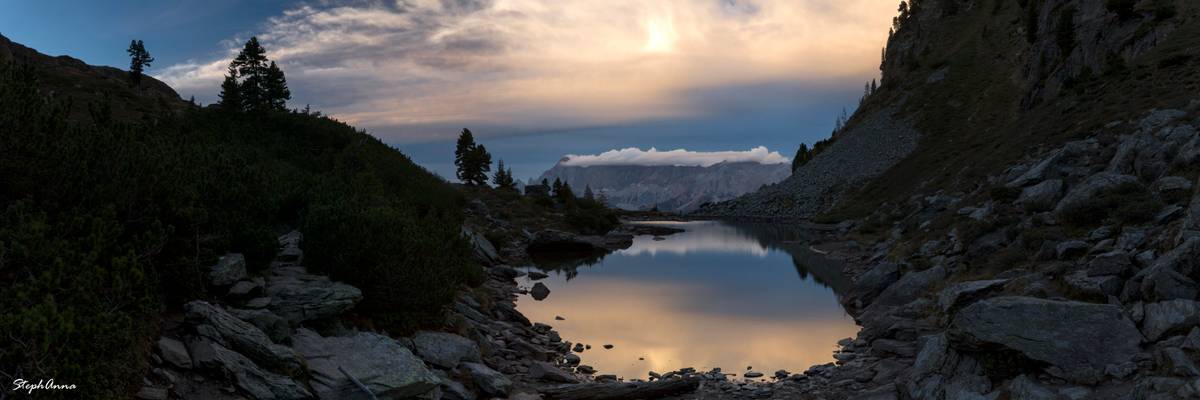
(677, 157)
(408, 68)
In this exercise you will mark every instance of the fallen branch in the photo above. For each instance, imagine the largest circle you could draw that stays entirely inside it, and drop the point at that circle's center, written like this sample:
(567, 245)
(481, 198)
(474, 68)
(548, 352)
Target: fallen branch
(358, 383)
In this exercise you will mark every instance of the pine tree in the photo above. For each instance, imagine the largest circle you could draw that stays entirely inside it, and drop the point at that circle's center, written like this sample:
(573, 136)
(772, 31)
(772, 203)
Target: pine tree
(462, 154)
(231, 93)
(587, 193)
(802, 156)
(565, 195)
(556, 189)
(479, 163)
(874, 86)
(275, 88)
(503, 178)
(139, 60)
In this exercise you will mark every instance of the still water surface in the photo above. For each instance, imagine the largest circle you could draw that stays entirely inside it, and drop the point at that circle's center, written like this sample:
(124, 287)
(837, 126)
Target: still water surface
(717, 295)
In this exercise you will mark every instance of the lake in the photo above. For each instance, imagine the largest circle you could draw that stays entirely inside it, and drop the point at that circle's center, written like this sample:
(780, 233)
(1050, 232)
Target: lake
(716, 295)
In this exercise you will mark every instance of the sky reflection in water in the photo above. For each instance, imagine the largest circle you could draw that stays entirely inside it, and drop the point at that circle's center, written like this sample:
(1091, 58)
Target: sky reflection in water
(716, 295)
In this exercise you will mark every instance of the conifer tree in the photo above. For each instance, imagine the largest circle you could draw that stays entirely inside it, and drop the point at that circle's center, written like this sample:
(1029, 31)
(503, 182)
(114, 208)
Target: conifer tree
(275, 88)
(139, 60)
(587, 193)
(231, 93)
(503, 178)
(462, 154)
(556, 189)
(480, 163)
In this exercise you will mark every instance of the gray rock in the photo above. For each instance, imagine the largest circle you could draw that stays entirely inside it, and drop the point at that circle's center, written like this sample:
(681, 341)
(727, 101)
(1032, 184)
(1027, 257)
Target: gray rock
(303, 297)
(174, 352)
(1160, 282)
(381, 363)
(961, 293)
(1091, 187)
(246, 374)
(258, 302)
(488, 381)
(545, 371)
(572, 359)
(1024, 388)
(1061, 333)
(753, 374)
(454, 390)
(445, 350)
(1170, 317)
(273, 325)
(1172, 184)
(243, 290)
(1070, 249)
(1115, 262)
(1084, 282)
(875, 280)
(229, 269)
(539, 291)
(151, 393)
(537, 275)
(1191, 222)
(289, 247)
(1176, 361)
(483, 249)
(911, 286)
(243, 337)
(1042, 196)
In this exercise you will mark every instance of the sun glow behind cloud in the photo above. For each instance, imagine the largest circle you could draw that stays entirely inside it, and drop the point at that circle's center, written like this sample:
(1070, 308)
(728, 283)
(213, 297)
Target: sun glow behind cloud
(411, 68)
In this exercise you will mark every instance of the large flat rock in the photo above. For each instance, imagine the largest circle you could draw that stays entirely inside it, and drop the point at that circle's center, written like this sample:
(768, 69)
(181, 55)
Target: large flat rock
(381, 363)
(1081, 338)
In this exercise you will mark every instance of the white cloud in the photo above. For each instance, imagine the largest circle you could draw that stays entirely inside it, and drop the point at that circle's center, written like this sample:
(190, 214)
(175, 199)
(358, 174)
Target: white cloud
(407, 69)
(677, 157)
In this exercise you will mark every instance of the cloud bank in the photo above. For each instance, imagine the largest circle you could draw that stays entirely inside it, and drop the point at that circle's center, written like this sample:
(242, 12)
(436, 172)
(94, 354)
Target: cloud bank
(677, 157)
(419, 70)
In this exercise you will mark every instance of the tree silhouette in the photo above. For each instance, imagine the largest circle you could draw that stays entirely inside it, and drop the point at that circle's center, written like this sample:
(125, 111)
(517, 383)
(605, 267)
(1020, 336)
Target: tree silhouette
(260, 83)
(503, 178)
(472, 160)
(139, 60)
(587, 193)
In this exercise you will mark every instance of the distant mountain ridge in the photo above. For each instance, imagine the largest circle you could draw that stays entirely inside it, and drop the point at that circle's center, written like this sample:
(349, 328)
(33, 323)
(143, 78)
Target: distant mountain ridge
(668, 187)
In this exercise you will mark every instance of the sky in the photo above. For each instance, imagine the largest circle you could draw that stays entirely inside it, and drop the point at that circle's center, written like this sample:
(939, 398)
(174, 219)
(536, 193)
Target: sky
(534, 80)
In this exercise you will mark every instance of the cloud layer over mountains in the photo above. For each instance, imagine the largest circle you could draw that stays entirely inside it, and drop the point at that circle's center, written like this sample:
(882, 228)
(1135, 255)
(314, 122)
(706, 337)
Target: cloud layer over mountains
(677, 157)
(420, 70)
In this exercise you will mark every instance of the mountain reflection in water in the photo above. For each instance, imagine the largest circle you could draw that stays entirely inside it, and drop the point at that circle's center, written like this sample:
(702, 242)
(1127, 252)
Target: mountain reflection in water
(717, 295)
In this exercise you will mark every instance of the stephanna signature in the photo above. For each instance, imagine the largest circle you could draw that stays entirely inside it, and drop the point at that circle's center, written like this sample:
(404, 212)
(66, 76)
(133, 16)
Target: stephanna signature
(42, 384)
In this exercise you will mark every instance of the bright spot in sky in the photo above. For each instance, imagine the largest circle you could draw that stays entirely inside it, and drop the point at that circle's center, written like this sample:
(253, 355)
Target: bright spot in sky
(660, 35)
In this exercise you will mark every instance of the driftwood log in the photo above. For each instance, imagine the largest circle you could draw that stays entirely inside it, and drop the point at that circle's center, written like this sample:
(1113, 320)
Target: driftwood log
(622, 391)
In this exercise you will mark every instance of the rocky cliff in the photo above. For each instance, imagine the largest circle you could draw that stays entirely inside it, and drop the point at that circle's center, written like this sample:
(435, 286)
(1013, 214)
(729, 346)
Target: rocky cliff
(670, 188)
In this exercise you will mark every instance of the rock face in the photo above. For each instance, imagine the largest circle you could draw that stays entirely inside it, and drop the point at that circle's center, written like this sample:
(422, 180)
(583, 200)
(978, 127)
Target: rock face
(861, 152)
(241, 336)
(445, 350)
(1065, 334)
(670, 188)
(488, 380)
(245, 373)
(381, 363)
(1174, 316)
(300, 297)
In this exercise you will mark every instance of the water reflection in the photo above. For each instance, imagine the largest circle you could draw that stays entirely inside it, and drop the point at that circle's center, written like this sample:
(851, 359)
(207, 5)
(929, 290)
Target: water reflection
(718, 295)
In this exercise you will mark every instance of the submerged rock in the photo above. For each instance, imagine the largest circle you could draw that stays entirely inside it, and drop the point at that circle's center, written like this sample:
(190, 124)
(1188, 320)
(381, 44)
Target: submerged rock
(539, 291)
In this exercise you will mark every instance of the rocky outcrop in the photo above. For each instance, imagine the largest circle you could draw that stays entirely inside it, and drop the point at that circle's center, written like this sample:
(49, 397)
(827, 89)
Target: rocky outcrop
(229, 269)
(218, 325)
(1064, 334)
(299, 297)
(445, 350)
(382, 364)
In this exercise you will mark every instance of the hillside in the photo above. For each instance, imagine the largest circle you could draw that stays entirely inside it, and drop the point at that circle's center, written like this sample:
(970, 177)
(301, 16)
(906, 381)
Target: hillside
(1040, 239)
(116, 202)
(983, 84)
(669, 187)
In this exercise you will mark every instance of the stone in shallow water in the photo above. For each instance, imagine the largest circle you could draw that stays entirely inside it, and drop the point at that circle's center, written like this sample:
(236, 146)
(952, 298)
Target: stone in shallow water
(539, 291)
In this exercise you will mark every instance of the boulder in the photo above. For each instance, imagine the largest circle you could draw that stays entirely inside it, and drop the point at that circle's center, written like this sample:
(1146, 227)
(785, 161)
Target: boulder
(488, 381)
(545, 371)
(1065, 334)
(256, 382)
(289, 248)
(539, 291)
(911, 286)
(537, 275)
(1103, 285)
(273, 325)
(244, 290)
(1176, 361)
(1172, 316)
(241, 336)
(229, 269)
(381, 363)
(875, 280)
(1091, 187)
(961, 293)
(445, 350)
(1172, 184)
(1114, 262)
(173, 352)
(1042, 196)
(483, 248)
(1191, 222)
(303, 297)
(1070, 249)
(1024, 388)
